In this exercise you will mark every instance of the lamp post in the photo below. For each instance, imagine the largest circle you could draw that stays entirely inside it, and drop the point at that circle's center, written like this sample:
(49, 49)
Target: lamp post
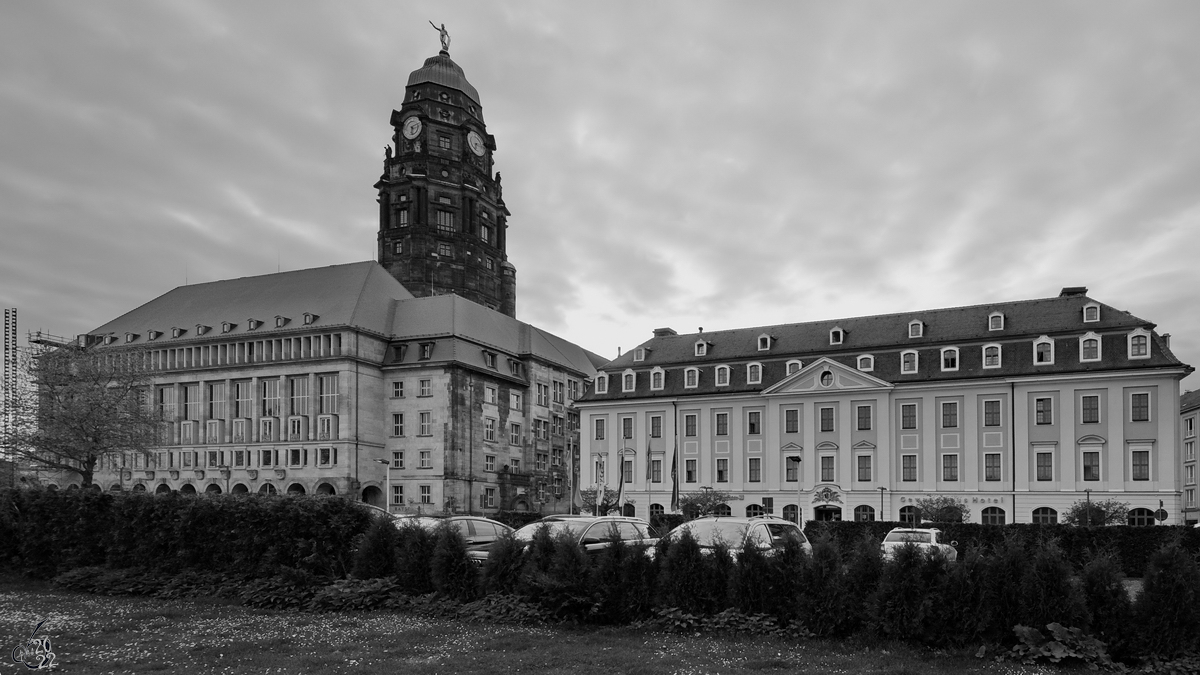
(1088, 512)
(387, 495)
(799, 483)
(881, 491)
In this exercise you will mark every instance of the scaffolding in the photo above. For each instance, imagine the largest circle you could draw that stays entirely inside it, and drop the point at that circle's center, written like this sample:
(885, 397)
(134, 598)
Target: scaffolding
(8, 381)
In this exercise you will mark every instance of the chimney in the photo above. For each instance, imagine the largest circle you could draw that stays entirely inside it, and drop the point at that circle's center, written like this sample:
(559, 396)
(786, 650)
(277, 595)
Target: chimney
(1069, 291)
(1166, 338)
(664, 332)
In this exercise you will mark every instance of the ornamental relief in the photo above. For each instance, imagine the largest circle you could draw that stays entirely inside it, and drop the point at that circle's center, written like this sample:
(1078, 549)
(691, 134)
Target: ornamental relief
(827, 495)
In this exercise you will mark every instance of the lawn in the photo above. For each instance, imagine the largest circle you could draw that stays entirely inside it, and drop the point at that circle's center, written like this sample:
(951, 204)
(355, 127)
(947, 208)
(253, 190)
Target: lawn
(101, 634)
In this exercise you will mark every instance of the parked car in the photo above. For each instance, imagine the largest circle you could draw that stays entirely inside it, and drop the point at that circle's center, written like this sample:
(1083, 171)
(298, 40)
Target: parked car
(927, 539)
(478, 532)
(767, 533)
(593, 533)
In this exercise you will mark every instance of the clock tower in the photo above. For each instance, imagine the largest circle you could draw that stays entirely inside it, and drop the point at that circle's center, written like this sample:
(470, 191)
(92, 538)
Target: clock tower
(442, 217)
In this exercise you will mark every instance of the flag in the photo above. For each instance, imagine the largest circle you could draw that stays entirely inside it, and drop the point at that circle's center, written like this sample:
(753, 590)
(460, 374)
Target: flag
(620, 482)
(675, 479)
(576, 498)
(649, 463)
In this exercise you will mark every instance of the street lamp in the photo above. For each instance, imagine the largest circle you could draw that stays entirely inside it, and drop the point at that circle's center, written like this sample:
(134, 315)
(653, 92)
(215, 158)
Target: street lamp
(1088, 513)
(799, 483)
(387, 495)
(881, 491)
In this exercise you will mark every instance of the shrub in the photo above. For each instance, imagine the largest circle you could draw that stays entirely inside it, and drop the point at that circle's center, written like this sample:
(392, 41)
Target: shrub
(376, 554)
(1004, 572)
(1108, 602)
(902, 607)
(622, 583)
(753, 588)
(502, 569)
(863, 567)
(825, 604)
(564, 587)
(451, 571)
(685, 576)
(1048, 592)
(1168, 617)
(1065, 645)
(961, 615)
(414, 550)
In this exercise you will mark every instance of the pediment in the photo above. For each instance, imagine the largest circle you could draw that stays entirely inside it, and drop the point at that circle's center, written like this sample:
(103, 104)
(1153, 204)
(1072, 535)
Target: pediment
(812, 380)
(863, 445)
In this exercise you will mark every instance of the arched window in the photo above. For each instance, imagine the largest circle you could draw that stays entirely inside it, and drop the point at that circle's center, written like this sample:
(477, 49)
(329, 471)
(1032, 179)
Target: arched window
(836, 335)
(915, 329)
(866, 363)
(691, 378)
(1045, 516)
(722, 376)
(1089, 347)
(754, 373)
(794, 367)
(1091, 312)
(722, 510)
(864, 514)
(601, 383)
(656, 379)
(1043, 351)
(754, 510)
(908, 362)
(993, 515)
(950, 358)
(1141, 517)
(628, 381)
(908, 514)
(1139, 344)
(629, 510)
(996, 321)
(656, 510)
(789, 513)
(991, 356)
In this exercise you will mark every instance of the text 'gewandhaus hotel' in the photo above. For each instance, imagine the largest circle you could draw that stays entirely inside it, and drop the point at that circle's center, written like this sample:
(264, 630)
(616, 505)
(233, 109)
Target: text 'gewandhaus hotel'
(1013, 408)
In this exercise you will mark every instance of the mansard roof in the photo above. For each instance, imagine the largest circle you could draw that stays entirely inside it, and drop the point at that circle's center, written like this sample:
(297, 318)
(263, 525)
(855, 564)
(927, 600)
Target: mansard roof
(886, 336)
(1189, 401)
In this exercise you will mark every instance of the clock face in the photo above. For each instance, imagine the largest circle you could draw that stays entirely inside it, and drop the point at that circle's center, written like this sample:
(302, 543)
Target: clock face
(475, 142)
(412, 128)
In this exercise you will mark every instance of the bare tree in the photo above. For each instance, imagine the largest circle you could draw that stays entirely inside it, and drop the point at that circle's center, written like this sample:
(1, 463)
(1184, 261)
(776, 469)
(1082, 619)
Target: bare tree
(78, 408)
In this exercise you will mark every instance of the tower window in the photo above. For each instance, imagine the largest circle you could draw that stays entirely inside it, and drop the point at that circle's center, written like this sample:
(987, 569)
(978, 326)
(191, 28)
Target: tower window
(445, 250)
(397, 248)
(444, 142)
(489, 263)
(485, 233)
(402, 218)
(445, 221)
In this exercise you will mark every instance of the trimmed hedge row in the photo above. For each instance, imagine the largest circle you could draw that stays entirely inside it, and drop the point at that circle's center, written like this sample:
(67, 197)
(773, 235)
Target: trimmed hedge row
(49, 532)
(1133, 546)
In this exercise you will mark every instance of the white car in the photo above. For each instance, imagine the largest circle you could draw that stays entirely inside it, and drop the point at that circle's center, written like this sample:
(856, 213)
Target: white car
(926, 539)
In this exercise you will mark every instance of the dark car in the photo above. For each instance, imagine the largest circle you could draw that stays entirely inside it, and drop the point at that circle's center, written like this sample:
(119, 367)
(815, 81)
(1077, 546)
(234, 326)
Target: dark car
(767, 533)
(478, 532)
(593, 533)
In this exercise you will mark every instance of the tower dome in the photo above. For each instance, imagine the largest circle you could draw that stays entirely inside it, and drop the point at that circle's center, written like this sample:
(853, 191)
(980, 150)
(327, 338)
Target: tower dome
(442, 70)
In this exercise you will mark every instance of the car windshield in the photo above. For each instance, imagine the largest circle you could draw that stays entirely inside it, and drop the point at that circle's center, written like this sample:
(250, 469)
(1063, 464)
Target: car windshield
(709, 533)
(574, 527)
(903, 537)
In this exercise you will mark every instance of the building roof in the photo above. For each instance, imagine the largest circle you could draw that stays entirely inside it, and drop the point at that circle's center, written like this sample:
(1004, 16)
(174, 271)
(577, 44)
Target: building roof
(358, 295)
(1189, 401)
(441, 70)
(885, 336)
(451, 315)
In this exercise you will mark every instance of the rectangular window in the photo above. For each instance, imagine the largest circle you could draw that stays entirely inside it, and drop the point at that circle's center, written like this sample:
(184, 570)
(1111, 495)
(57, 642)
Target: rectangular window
(755, 472)
(556, 456)
(991, 413)
(489, 394)
(864, 468)
(656, 470)
(489, 462)
(626, 427)
(791, 421)
(489, 497)
(557, 421)
(489, 429)
(266, 458)
(294, 457)
(949, 467)
(514, 400)
(445, 221)
(1043, 411)
(826, 419)
(426, 388)
(398, 459)
(791, 469)
(753, 423)
(1045, 466)
(908, 416)
(426, 458)
(689, 471)
(426, 494)
(1189, 450)
(543, 394)
(722, 424)
(541, 429)
(600, 428)
(827, 469)
(1139, 406)
(191, 401)
(216, 401)
(1091, 409)
(328, 393)
(243, 399)
(908, 468)
(443, 142)
(627, 471)
(722, 471)
(298, 391)
(397, 390)
(1091, 466)
(397, 494)
(656, 427)
(397, 424)
(1189, 427)
(689, 425)
(864, 418)
(514, 434)
(426, 424)
(991, 466)
(950, 415)
(1141, 465)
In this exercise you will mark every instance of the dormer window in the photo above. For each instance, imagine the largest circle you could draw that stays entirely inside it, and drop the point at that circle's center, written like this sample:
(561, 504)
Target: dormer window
(1091, 312)
(427, 351)
(514, 366)
(176, 332)
(836, 335)
(1043, 351)
(153, 334)
(1089, 348)
(309, 318)
(866, 363)
(996, 321)
(754, 373)
(252, 324)
(794, 366)
(226, 327)
(701, 348)
(201, 329)
(657, 378)
(628, 381)
(109, 339)
(1139, 344)
(691, 378)
(908, 362)
(916, 329)
(281, 321)
(949, 359)
(489, 359)
(991, 356)
(764, 343)
(130, 337)
(601, 383)
(639, 354)
(722, 376)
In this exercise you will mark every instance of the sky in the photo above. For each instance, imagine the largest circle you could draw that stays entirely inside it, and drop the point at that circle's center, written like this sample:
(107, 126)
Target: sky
(682, 164)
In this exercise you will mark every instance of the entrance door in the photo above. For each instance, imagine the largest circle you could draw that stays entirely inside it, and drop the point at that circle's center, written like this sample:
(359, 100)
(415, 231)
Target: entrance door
(827, 513)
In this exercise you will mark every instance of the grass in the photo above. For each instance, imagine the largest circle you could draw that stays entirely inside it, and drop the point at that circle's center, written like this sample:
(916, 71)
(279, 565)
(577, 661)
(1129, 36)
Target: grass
(102, 634)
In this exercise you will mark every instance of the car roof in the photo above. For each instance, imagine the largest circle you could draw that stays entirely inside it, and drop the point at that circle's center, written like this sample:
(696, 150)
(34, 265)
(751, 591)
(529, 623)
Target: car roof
(914, 529)
(743, 519)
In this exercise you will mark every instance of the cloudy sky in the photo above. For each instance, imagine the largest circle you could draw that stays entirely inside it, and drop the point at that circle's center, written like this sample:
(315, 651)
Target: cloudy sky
(682, 164)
